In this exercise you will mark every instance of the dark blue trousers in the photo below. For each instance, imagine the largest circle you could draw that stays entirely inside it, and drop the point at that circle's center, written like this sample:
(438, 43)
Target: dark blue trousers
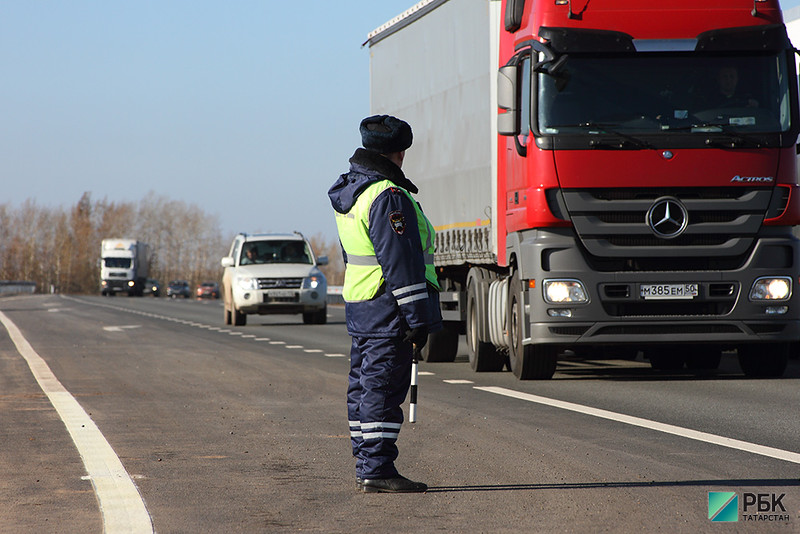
(380, 375)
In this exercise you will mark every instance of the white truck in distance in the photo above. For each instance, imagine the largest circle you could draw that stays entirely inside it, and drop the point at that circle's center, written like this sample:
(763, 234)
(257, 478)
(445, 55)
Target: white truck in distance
(124, 266)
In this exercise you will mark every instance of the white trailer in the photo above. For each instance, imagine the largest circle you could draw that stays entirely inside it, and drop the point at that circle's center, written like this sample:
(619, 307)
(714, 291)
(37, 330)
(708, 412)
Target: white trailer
(435, 66)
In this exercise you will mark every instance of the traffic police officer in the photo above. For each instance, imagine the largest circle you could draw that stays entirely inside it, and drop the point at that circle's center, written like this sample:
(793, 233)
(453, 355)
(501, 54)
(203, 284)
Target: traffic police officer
(390, 292)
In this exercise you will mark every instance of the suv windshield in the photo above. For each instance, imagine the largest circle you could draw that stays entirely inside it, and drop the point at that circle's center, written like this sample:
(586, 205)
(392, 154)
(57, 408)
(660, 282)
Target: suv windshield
(664, 93)
(274, 251)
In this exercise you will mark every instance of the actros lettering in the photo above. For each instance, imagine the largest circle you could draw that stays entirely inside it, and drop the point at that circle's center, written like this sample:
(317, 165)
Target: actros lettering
(751, 179)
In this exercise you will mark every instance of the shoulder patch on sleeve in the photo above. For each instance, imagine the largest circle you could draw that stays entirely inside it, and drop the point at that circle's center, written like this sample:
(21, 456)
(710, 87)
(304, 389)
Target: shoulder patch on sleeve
(397, 222)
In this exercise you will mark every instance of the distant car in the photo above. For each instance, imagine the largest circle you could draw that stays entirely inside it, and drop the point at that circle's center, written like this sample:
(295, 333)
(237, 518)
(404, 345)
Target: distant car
(152, 287)
(179, 288)
(208, 290)
(273, 273)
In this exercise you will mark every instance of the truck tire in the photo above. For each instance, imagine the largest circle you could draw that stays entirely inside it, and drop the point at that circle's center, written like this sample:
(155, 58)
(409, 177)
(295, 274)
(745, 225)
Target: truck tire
(767, 360)
(532, 361)
(226, 315)
(442, 345)
(483, 356)
(670, 358)
(703, 358)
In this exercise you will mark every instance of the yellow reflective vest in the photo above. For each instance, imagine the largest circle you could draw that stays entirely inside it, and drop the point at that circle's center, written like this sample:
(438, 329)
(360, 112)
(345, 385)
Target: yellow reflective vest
(363, 275)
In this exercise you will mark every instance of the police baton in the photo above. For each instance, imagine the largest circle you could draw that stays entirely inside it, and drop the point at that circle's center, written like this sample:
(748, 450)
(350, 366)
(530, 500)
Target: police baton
(412, 409)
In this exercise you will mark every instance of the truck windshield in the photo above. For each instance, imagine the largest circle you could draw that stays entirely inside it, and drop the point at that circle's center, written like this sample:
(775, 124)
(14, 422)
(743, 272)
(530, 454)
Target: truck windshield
(118, 263)
(666, 93)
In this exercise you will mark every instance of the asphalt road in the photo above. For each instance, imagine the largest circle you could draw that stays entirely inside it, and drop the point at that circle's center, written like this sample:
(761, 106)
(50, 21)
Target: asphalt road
(183, 425)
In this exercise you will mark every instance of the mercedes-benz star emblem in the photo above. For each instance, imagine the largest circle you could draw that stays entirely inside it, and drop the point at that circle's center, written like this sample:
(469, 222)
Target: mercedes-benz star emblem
(667, 217)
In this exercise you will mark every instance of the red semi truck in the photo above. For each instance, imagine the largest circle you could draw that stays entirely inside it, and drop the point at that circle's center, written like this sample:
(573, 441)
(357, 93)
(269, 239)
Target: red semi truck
(606, 177)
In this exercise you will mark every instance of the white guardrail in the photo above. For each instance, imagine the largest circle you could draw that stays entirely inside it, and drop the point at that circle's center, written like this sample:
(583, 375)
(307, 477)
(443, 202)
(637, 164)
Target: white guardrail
(15, 287)
(335, 295)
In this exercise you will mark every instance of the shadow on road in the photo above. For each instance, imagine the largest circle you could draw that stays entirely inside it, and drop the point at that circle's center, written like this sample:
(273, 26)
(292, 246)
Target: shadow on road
(727, 483)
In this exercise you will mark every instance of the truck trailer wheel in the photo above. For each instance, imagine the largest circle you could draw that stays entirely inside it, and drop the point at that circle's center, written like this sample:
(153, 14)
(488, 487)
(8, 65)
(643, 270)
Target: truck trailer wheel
(527, 362)
(442, 345)
(764, 360)
(483, 356)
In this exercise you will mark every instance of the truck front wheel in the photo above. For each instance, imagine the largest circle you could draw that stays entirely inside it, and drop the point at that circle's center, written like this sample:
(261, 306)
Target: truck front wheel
(764, 360)
(532, 361)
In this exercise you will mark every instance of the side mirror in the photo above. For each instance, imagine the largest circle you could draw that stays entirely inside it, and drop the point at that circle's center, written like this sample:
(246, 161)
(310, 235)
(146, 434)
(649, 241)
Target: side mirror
(322, 260)
(508, 122)
(227, 261)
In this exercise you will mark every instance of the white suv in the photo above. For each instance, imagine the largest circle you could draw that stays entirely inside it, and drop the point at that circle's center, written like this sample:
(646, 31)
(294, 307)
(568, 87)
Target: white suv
(273, 273)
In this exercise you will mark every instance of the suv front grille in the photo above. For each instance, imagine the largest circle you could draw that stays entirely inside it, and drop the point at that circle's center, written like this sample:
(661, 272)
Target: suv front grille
(279, 283)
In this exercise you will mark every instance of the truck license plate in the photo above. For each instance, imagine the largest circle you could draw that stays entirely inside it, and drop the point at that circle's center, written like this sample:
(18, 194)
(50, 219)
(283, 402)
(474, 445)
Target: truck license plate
(668, 291)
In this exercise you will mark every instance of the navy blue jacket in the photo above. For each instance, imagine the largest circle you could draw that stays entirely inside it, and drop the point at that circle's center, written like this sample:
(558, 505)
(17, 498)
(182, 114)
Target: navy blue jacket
(399, 254)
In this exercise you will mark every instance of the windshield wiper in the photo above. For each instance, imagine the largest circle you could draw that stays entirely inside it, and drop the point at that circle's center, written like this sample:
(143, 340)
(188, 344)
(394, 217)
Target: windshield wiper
(607, 128)
(737, 137)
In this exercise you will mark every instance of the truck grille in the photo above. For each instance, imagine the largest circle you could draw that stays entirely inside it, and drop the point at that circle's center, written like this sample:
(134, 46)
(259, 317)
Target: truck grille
(279, 283)
(721, 224)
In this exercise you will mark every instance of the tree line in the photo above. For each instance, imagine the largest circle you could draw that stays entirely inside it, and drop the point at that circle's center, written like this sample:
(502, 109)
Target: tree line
(59, 248)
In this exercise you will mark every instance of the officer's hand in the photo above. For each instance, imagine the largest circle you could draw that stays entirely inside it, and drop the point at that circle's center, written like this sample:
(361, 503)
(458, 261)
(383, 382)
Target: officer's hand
(418, 336)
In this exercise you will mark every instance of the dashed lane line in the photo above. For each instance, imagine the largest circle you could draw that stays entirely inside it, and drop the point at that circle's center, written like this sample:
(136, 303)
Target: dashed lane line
(121, 506)
(696, 435)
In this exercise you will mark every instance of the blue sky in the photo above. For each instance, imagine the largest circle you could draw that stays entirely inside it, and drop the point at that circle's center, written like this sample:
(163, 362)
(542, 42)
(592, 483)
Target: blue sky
(249, 109)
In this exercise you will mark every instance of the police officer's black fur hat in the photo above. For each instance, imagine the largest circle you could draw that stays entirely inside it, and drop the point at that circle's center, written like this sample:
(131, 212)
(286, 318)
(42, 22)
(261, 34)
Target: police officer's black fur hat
(385, 134)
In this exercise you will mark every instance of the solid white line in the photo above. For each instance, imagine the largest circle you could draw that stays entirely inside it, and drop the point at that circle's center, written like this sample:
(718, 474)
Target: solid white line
(121, 505)
(722, 441)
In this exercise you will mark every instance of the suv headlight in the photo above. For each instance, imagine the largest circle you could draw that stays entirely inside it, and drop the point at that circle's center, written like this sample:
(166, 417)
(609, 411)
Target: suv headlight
(248, 283)
(313, 282)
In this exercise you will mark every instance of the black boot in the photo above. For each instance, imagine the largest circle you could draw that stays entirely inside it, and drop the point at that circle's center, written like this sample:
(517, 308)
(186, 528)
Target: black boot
(392, 485)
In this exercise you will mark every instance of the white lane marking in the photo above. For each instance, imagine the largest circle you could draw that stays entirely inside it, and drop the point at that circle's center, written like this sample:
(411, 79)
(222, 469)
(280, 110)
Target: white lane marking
(120, 328)
(722, 441)
(121, 505)
(262, 339)
(335, 355)
(425, 373)
(312, 350)
(248, 336)
(277, 343)
(457, 381)
(294, 346)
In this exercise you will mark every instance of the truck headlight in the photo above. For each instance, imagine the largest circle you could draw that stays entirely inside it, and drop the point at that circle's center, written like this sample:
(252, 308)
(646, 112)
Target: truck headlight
(248, 283)
(564, 291)
(771, 288)
(131, 283)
